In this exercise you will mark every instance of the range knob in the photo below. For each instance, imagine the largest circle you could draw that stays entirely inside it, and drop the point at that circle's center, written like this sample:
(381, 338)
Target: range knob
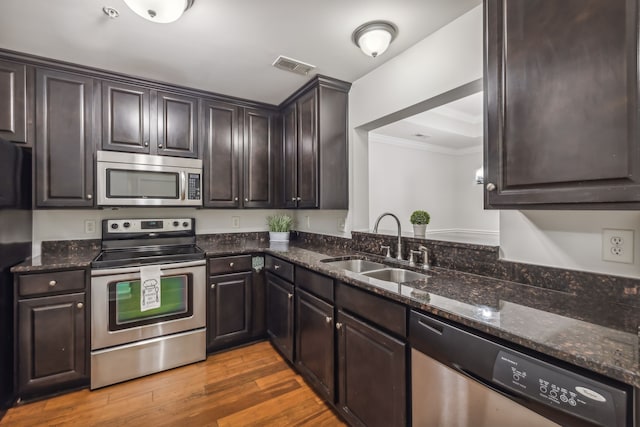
(127, 224)
(185, 224)
(176, 223)
(114, 226)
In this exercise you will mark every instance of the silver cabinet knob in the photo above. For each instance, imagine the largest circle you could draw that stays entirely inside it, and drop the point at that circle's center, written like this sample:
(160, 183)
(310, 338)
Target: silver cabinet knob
(146, 143)
(52, 283)
(290, 296)
(231, 264)
(246, 199)
(276, 267)
(80, 305)
(235, 200)
(293, 199)
(338, 326)
(491, 186)
(327, 319)
(159, 145)
(89, 196)
(299, 199)
(213, 286)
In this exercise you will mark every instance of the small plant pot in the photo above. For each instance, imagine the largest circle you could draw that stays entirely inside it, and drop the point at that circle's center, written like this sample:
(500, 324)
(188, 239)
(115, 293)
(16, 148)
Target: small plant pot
(419, 230)
(279, 236)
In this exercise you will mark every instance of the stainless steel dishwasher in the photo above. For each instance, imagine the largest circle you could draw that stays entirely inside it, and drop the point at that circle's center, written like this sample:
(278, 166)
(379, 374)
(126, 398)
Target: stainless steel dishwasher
(460, 379)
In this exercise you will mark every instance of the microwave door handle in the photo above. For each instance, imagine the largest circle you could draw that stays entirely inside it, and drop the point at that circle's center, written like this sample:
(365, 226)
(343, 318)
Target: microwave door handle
(183, 186)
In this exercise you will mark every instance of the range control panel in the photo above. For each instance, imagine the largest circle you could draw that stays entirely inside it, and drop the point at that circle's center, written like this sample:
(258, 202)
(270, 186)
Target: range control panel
(556, 387)
(149, 225)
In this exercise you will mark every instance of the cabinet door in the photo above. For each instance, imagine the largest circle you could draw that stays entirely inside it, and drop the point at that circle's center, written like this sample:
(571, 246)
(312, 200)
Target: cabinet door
(314, 342)
(257, 165)
(280, 315)
(221, 155)
(371, 374)
(13, 101)
(125, 118)
(561, 103)
(290, 161)
(65, 139)
(177, 125)
(229, 312)
(52, 347)
(308, 150)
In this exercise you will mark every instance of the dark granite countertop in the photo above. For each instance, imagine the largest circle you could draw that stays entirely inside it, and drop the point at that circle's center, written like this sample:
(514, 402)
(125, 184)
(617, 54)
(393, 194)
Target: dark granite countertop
(61, 255)
(598, 335)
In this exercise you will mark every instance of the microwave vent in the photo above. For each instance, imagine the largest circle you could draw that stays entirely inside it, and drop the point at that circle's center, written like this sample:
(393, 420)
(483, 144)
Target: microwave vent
(293, 65)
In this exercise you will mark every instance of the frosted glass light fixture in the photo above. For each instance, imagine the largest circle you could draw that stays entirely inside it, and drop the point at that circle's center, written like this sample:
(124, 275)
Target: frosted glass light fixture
(160, 11)
(374, 37)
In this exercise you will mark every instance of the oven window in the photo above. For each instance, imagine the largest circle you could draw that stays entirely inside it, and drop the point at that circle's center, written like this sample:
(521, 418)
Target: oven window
(176, 297)
(132, 184)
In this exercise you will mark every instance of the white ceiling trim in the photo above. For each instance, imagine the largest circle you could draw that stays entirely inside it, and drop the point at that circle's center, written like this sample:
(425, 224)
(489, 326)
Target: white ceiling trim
(421, 146)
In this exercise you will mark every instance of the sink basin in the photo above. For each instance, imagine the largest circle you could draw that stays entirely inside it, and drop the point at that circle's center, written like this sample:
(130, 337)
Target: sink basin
(395, 275)
(357, 265)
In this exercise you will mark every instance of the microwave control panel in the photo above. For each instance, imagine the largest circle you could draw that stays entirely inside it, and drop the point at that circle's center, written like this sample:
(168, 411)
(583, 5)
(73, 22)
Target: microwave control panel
(193, 189)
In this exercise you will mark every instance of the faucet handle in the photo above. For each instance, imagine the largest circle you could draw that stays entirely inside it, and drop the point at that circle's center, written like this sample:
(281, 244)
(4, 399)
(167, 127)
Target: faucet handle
(412, 261)
(388, 248)
(425, 262)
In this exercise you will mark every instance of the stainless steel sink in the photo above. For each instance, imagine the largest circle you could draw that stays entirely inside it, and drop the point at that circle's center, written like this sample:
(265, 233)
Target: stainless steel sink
(395, 275)
(357, 265)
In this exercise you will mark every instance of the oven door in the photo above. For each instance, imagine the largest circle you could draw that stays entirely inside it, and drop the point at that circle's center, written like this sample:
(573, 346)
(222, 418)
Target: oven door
(116, 314)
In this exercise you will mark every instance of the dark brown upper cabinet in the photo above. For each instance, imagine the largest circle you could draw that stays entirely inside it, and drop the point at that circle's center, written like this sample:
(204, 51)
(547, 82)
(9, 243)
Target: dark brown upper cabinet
(258, 166)
(136, 119)
(221, 155)
(315, 151)
(125, 118)
(13, 101)
(561, 128)
(66, 133)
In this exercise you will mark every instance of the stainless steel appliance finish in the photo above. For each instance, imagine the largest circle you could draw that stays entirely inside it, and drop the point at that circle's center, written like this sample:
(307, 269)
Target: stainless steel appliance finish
(129, 339)
(127, 179)
(464, 380)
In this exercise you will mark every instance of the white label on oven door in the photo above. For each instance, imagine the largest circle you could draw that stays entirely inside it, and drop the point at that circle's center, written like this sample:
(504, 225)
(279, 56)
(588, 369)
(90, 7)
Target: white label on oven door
(150, 295)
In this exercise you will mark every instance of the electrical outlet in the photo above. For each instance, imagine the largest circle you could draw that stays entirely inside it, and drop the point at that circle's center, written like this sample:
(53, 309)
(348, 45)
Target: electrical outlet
(307, 219)
(235, 222)
(89, 226)
(341, 224)
(617, 245)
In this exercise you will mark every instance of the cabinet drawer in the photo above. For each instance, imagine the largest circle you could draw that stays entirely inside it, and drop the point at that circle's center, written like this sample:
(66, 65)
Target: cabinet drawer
(229, 264)
(378, 310)
(277, 266)
(317, 284)
(44, 283)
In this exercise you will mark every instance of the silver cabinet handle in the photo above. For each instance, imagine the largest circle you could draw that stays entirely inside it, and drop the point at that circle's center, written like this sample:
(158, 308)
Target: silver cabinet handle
(290, 296)
(213, 286)
(89, 196)
(231, 264)
(338, 326)
(491, 186)
(327, 319)
(146, 143)
(80, 305)
(276, 267)
(52, 283)
(183, 180)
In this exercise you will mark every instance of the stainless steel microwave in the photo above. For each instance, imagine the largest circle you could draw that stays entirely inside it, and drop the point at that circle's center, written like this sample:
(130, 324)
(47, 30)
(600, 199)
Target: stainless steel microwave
(127, 179)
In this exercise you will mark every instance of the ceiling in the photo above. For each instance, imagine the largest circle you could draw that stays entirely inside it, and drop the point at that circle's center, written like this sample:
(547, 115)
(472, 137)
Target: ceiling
(457, 125)
(224, 46)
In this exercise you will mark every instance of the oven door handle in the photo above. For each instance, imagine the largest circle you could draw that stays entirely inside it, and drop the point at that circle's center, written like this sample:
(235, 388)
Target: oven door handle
(136, 269)
(183, 179)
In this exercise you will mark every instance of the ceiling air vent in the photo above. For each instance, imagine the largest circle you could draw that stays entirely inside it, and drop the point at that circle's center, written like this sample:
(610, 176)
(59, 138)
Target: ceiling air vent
(293, 65)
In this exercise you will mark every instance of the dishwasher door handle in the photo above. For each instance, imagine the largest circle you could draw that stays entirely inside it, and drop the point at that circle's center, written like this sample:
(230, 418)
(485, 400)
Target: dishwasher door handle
(493, 386)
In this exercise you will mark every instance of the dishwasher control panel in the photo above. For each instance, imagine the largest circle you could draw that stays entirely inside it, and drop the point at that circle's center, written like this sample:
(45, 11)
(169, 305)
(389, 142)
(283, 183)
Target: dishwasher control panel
(556, 387)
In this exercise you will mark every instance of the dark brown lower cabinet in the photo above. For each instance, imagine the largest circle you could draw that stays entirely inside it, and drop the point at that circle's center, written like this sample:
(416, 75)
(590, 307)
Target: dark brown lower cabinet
(280, 314)
(371, 374)
(229, 310)
(314, 342)
(52, 346)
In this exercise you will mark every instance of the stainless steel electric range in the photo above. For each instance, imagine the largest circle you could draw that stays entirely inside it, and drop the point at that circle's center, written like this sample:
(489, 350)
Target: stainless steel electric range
(147, 299)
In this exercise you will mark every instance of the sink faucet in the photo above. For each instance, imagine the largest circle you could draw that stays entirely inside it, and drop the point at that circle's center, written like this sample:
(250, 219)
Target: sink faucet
(425, 252)
(375, 230)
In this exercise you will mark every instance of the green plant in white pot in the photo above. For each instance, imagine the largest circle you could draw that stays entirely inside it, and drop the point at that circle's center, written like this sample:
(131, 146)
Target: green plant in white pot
(420, 219)
(279, 227)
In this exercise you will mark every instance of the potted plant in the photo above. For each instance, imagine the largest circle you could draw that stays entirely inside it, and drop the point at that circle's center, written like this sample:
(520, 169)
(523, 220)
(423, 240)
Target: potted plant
(279, 227)
(420, 219)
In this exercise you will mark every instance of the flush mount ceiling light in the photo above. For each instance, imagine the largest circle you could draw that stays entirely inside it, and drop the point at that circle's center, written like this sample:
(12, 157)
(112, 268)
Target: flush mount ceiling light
(374, 37)
(160, 11)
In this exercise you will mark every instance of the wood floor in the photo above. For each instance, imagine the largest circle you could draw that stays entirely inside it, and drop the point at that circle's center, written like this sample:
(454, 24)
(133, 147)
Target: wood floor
(250, 386)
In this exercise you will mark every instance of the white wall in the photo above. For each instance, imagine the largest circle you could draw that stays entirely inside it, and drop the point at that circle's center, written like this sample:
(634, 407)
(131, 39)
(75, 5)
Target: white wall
(70, 224)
